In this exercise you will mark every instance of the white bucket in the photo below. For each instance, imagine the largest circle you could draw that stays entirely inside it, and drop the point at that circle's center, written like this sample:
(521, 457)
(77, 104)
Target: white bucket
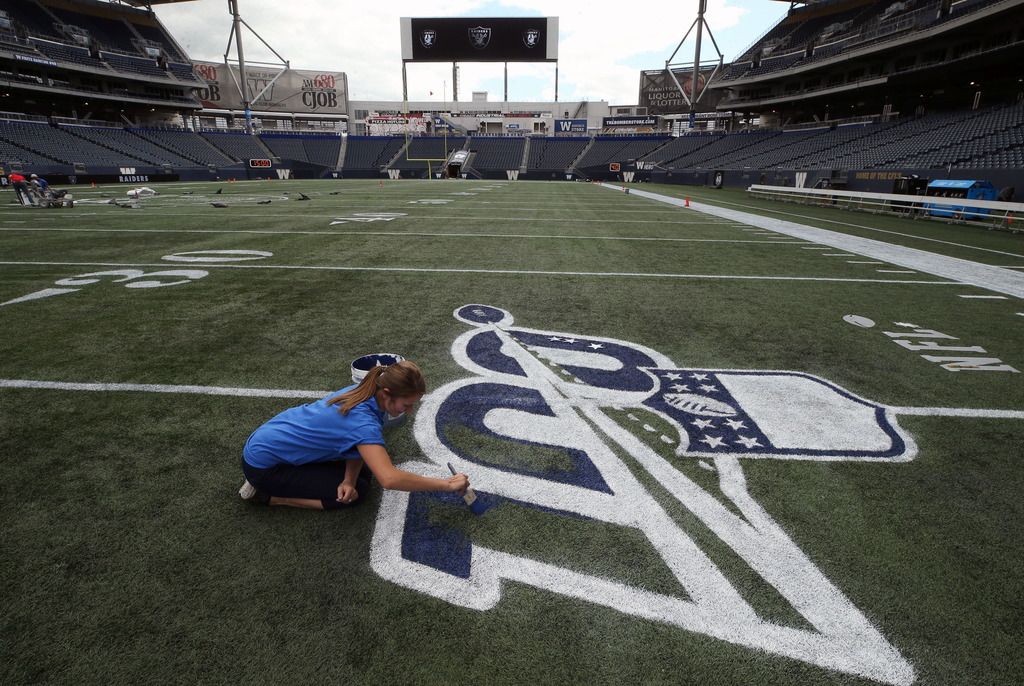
(361, 366)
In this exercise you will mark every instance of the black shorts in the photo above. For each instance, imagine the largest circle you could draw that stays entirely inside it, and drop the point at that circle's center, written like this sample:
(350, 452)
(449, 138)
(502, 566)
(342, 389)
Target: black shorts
(315, 481)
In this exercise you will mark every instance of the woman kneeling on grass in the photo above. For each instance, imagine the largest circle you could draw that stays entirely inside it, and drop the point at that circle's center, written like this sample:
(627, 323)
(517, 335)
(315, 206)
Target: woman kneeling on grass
(313, 456)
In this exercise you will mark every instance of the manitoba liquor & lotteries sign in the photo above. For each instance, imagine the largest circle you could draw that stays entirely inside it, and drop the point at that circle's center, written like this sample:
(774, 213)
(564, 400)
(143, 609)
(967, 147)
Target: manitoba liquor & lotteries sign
(660, 94)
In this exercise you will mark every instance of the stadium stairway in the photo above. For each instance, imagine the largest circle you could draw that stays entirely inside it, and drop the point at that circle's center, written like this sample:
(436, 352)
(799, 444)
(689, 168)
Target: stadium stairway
(526, 156)
(342, 149)
(571, 169)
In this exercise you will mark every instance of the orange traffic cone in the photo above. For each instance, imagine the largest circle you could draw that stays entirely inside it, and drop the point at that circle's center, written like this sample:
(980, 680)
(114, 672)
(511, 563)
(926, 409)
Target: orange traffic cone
(686, 202)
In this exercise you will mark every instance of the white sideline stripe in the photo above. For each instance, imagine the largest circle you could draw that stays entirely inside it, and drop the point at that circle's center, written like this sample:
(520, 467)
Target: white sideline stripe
(984, 297)
(860, 226)
(895, 271)
(161, 388)
(287, 393)
(984, 276)
(400, 233)
(862, 262)
(453, 270)
(837, 254)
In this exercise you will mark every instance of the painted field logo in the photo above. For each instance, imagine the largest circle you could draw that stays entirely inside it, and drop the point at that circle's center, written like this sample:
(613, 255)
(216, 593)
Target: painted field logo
(577, 399)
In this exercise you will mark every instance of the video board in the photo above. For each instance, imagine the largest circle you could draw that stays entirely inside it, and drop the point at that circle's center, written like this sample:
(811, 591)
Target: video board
(480, 39)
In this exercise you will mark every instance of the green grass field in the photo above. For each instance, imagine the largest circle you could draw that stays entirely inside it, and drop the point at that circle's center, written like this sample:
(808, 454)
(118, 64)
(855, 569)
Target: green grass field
(129, 558)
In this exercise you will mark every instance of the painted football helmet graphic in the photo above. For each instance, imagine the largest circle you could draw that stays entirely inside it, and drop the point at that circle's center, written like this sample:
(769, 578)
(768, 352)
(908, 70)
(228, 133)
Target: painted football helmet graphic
(587, 399)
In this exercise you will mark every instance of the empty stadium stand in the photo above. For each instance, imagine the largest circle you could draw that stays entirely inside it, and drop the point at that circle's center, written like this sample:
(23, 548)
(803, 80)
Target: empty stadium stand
(496, 154)
(551, 155)
(609, 149)
(366, 156)
(239, 146)
(57, 144)
(187, 144)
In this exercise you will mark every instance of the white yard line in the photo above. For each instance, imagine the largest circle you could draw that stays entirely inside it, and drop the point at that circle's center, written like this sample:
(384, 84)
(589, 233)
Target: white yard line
(316, 394)
(959, 412)
(432, 234)
(984, 297)
(161, 388)
(343, 210)
(991, 278)
(442, 270)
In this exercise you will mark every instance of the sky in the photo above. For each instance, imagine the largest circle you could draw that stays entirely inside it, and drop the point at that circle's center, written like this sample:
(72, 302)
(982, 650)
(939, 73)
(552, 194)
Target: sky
(603, 46)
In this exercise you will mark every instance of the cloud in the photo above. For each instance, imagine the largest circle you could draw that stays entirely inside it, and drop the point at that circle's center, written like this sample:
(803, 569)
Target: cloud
(594, 45)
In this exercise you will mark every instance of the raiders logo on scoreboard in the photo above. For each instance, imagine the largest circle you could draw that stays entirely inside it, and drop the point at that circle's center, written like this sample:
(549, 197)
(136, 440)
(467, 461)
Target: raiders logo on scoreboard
(479, 37)
(531, 37)
(428, 38)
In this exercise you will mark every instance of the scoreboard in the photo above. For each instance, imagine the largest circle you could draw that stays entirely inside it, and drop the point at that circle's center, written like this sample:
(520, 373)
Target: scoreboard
(480, 39)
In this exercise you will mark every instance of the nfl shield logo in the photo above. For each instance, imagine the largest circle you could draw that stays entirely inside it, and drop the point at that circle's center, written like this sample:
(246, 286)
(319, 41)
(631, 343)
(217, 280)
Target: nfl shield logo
(428, 38)
(479, 37)
(531, 37)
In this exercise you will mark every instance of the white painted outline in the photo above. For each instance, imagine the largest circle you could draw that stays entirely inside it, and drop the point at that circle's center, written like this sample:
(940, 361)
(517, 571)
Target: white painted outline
(843, 639)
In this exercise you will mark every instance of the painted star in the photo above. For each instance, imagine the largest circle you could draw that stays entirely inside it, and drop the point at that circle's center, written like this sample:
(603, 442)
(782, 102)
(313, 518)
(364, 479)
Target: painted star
(671, 376)
(595, 346)
(749, 443)
(703, 424)
(569, 340)
(680, 388)
(699, 377)
(554, 338)
(708, 388)
(712, 441)
(736, 425)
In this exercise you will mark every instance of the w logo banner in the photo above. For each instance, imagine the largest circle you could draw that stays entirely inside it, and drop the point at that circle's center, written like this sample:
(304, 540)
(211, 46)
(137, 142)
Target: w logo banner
(627, 177)
(394, 173)
(582, 403)
(512, 174)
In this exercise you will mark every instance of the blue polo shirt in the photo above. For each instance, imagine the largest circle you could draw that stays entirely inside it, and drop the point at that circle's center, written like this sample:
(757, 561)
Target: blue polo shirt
(316, 432)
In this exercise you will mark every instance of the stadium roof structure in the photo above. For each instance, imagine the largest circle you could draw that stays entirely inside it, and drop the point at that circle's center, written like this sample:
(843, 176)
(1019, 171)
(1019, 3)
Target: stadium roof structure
(147, 3)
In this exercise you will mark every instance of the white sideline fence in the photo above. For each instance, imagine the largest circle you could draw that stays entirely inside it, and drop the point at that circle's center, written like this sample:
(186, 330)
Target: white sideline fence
(988, 212)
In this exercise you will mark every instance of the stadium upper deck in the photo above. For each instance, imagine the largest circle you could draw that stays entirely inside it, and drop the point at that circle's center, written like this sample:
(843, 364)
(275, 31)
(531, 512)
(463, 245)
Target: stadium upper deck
(849, 57)
(58, 56)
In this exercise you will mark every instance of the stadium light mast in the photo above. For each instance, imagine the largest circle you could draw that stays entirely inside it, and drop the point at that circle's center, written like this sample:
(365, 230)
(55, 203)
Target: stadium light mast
(697, 89)
(241, 83)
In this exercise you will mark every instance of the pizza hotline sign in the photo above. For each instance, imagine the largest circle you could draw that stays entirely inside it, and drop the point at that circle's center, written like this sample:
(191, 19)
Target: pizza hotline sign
(270, 90)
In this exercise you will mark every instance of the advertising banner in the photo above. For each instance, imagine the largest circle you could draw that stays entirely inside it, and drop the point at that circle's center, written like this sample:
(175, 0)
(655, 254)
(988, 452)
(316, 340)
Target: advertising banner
(660, 95)
(480, 39)
(570, 126)
(385, 126)
(632, 122)
(295, 91)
